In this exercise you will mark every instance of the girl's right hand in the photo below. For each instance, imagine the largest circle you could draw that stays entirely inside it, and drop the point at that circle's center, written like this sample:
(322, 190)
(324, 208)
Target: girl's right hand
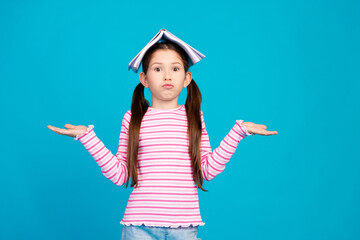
(71, 131)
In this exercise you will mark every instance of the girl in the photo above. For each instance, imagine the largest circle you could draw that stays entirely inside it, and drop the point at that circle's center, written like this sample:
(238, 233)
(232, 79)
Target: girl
(164, 149)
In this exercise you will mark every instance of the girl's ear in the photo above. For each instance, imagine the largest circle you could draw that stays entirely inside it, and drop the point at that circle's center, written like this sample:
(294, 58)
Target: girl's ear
(143, 80)
(188, 78)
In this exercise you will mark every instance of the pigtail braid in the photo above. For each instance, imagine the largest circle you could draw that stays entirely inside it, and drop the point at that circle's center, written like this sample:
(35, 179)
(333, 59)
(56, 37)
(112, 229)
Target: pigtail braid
(192, 105)
(139, 107)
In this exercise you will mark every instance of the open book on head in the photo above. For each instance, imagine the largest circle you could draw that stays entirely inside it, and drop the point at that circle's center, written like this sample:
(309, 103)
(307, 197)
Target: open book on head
(194, 55)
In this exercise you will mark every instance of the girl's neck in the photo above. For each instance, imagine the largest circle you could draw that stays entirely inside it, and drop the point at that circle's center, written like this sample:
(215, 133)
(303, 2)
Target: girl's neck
(165, 106)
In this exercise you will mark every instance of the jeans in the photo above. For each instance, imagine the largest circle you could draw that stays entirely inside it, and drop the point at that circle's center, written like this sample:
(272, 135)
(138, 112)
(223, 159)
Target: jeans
(158, 233)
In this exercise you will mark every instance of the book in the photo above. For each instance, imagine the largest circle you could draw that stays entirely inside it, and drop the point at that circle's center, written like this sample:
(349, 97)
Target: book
(194, 55)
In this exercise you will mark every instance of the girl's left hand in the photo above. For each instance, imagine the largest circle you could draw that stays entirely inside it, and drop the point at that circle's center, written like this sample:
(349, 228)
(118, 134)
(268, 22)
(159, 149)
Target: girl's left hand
(258, 129)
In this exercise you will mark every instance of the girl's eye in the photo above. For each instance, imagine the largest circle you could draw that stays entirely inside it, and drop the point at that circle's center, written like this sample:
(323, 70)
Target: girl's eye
(158, 69)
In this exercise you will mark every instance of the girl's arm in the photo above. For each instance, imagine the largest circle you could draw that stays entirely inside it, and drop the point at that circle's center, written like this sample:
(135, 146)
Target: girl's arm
(213, 162)
(112, 167)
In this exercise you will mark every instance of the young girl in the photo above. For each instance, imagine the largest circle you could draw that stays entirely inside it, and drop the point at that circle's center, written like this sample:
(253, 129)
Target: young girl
(164, 149)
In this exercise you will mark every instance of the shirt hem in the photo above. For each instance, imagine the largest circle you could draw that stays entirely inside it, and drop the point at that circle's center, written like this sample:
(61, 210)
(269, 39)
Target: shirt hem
(162, 225)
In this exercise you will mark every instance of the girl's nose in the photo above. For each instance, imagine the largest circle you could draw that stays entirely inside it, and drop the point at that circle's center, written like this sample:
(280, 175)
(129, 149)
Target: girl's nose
(167, 76)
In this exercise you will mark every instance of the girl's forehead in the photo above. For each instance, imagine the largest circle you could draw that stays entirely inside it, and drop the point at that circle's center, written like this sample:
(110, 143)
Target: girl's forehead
(165, 55)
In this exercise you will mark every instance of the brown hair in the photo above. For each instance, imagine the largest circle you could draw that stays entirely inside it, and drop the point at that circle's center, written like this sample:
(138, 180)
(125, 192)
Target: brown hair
(140, 105)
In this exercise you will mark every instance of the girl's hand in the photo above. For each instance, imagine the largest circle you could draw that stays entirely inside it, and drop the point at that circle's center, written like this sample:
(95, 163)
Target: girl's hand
(71, 131)
(258, 129)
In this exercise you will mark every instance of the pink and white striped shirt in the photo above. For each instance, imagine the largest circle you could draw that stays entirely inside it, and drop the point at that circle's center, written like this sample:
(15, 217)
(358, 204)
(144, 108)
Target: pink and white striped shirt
(166, 194)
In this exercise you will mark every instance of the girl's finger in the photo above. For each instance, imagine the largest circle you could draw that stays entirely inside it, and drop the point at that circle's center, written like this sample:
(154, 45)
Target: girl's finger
(67, 125)
(254, 125)
(265, 132)
(52, 128)
(261, 126)
(57, 130)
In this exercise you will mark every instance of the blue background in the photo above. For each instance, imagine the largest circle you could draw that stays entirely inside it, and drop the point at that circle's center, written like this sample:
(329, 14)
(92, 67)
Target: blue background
(292, 65)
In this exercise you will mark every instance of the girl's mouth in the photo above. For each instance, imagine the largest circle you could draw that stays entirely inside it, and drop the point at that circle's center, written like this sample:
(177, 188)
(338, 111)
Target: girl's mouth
(168, 86)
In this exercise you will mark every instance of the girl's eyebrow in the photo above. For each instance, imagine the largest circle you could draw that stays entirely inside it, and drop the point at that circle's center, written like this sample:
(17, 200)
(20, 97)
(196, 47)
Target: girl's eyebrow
(162, 63)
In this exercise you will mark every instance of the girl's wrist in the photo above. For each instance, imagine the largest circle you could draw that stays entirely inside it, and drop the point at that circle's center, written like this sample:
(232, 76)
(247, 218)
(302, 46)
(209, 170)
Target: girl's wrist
(84, 133)
(240, 122)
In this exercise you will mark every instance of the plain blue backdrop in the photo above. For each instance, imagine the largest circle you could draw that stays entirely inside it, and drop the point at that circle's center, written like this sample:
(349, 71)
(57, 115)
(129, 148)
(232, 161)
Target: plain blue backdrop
(291, 65)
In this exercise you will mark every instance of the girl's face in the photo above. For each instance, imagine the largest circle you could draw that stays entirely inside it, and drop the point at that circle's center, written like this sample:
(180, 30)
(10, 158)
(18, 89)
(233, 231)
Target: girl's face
(165, 77)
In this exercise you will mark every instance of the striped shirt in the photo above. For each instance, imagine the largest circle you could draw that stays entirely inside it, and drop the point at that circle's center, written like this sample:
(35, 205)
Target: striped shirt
(166, 195)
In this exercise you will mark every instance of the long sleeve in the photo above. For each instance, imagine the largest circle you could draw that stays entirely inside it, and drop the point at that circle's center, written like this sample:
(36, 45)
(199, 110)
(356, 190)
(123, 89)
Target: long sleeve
(213, 162)
(112, 167)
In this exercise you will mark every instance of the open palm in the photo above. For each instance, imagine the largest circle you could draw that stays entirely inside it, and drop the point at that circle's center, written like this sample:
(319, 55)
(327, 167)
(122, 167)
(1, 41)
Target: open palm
(71, 131)
(258, 129)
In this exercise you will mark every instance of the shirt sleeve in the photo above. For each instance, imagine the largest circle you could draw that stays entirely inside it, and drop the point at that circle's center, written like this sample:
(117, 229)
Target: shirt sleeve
(112, 167)
(213, 162)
